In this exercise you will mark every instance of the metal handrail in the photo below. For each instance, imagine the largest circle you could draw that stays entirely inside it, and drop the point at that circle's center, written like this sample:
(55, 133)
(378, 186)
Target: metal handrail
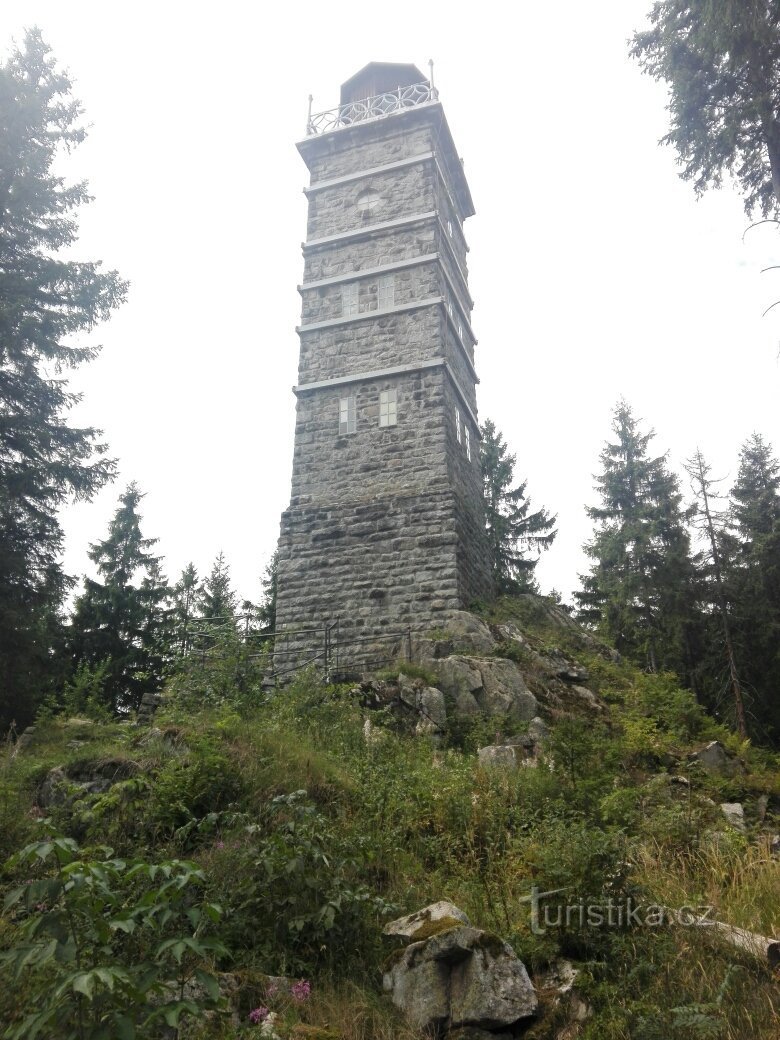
(370, 108)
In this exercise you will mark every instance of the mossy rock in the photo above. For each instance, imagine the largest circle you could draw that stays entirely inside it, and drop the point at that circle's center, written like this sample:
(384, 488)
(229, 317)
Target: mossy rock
(491, 942)
(430, 928)
(392, 959)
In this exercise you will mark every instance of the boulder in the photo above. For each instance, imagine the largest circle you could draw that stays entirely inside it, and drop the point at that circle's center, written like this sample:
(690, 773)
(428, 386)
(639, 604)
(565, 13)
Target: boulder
(714, 758)
(463, 977)
(441, 911)
(469, 633)
(735, 814)
(538, 730)
(420, 988)
(54, 788)
(458, 675)
(466, 704)
(498, 756)
(504, 691)
(433, 711)
(588, 697)
(491, 988)
(510, 632)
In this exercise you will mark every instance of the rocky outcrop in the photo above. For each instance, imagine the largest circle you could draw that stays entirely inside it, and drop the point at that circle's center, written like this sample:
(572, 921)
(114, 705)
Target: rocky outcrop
(735, 815)
(413, 925)
(715, 759)
(64, 784)
(494, 685)
(456, 977)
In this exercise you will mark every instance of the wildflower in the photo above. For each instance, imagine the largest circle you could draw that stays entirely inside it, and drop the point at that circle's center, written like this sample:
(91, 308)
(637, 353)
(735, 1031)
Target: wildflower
(220, 845)
(258, 1015)
(300, 990)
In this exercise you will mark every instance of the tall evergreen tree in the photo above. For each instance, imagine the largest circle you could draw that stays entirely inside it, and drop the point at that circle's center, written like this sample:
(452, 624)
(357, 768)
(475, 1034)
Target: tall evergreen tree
(755, 579)
(699, 472)
(516, 535)
(218, 601)
(185, 599)
(721, 61)
(118, 618)
(270, 584)
(46, 301)
(640, 589)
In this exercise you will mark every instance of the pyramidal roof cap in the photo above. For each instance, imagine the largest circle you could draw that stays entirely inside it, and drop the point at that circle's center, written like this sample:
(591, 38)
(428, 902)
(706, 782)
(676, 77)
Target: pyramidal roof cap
(379, 77)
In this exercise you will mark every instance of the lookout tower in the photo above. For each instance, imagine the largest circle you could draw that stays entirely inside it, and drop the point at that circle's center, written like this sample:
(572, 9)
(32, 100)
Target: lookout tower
(385, 523)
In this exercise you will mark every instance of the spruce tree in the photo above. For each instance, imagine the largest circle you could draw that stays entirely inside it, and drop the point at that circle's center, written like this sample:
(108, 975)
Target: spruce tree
(717, 575)
(270, 584)
(516, 535)
(754, 580)
(46, 302)
(640, 590)
(218, 601)
(118, 619)
(185, 598)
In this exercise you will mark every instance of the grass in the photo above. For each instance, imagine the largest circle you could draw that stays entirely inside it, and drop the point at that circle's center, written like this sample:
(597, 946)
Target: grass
(391, 824)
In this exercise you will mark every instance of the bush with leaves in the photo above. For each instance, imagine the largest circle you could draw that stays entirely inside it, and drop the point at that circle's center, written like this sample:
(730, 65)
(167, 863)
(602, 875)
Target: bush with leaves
(293, 888)
(107, 949)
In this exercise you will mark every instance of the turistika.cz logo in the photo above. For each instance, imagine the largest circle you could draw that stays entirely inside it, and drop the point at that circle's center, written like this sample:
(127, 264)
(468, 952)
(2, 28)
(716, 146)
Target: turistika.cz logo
(614, 913)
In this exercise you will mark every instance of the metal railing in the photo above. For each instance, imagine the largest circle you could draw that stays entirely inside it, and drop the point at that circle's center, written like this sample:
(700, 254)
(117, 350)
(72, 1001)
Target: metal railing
(370, 108)
(335, 651)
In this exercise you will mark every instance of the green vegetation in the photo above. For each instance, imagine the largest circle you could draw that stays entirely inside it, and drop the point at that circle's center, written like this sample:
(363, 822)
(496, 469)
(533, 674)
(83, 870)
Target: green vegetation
(304, 837)
(514, 533)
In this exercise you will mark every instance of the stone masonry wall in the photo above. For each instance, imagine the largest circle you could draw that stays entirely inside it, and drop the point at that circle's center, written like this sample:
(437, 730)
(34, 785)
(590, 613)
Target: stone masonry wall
(465, 476)
(384, 524)
(371, 250)
(411, 284)
(401, 193)
(369, 564)
(374, 461)
(376, 342)
(369, 145)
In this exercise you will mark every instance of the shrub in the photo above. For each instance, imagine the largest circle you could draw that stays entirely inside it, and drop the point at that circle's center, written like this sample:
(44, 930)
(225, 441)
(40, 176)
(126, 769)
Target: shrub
(106, 946)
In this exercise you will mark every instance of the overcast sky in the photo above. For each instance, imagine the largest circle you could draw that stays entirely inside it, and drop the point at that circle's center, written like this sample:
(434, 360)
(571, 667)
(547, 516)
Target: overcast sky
(595, 271)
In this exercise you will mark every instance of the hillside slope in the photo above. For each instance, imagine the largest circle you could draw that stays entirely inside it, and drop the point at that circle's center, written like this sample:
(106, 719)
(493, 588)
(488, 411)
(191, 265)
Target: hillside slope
(315, 813)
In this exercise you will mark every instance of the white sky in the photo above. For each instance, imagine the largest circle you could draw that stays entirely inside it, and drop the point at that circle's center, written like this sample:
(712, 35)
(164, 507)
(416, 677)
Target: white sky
(595, 271)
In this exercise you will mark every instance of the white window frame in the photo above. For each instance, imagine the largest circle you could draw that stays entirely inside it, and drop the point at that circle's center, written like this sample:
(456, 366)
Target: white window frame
(457, 426)
(385, 292)
(350, 299)
(347, 415)
(449, 228)
(467, 431)
(388, 408)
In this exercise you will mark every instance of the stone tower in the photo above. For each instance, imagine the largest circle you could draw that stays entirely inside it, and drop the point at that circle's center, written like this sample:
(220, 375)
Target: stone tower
(385, 524)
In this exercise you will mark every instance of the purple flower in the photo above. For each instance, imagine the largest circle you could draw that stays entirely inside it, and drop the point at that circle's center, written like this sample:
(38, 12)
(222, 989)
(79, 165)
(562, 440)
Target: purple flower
(300, 990)
(220, 845)
(258, 1015)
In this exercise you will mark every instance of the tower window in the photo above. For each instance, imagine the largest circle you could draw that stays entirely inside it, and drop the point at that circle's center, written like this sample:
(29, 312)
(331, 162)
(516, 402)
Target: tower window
(349, 298)
(457, 426)
(467, 431)
(460, 329)
(449, 228)
(386, 291)
(347, 415)
(369, 202)
(388, 408)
